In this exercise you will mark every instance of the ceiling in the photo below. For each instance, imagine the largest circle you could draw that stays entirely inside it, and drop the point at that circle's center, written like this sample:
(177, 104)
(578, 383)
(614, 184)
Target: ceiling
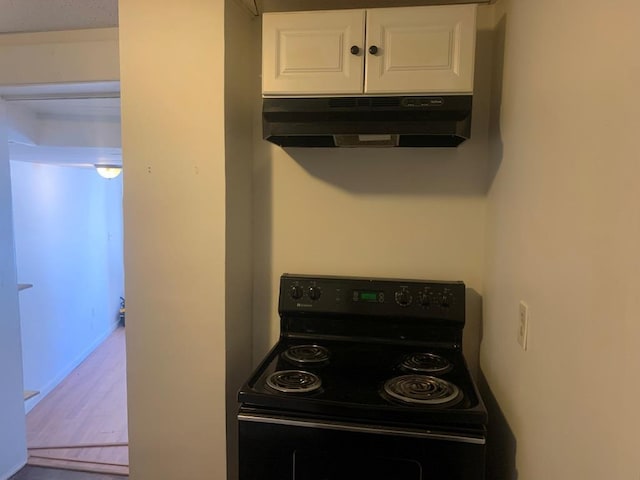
(70, 124)
(48, 15)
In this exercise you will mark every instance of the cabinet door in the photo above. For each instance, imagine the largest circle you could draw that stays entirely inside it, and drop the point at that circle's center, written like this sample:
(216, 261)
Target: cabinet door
(309, 53)
(421, 49)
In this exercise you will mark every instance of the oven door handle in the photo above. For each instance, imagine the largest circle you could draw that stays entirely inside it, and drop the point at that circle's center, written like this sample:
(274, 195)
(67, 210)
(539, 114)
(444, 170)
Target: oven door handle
(373, 429)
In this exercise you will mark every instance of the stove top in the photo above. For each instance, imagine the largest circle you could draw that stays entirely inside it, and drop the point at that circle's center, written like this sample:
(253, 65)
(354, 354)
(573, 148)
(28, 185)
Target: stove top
(384, 351)
(356, 380)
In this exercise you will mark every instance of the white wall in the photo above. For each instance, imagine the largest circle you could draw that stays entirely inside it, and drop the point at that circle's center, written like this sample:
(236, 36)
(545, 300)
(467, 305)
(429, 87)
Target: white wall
(242, 94)
(563, 231)
(13, 443)
(68, 234)
(172, 78)
(404, 213)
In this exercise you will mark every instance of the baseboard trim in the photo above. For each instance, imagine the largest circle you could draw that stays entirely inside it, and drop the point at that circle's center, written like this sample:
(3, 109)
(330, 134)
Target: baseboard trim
(13, 470)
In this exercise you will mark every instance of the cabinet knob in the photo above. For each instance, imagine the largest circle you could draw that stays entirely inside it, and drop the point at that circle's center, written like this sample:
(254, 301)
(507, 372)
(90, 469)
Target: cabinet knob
(373, 49)
(355, 50)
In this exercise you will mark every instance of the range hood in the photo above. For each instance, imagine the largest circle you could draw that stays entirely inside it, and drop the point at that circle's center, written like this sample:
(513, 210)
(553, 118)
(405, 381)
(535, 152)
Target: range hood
(403, 121)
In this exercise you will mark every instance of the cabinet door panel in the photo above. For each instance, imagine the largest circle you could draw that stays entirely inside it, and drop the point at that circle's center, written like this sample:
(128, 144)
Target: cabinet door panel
(308, 53)
(421, 49)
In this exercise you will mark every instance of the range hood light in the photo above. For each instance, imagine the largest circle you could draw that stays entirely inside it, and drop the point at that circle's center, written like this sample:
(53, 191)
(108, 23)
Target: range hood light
(366, 140)
(374, 138)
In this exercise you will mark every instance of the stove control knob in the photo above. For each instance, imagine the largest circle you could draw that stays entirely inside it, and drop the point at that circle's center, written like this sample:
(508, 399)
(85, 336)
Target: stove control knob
(314, 293)
(445, 302)
(296, 292)
(425, 300)
(403, 297)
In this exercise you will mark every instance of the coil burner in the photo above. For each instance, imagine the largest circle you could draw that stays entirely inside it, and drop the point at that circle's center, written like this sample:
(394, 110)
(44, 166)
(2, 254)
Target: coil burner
(422, 390)
(294, 381)
(426, 363)
(306, 355)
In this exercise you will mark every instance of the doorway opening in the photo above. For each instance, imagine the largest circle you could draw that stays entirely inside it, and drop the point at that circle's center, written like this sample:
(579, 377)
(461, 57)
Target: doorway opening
(68, 242)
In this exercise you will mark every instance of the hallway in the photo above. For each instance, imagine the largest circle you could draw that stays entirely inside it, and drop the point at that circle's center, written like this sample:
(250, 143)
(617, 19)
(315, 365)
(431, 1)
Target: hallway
(82, 423)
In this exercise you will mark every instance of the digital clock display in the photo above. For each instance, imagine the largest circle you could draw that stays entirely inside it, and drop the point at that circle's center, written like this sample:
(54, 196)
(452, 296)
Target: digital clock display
(367, 296)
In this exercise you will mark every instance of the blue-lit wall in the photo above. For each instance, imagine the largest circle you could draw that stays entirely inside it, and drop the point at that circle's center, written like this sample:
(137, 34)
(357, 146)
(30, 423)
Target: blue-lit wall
(68, 235)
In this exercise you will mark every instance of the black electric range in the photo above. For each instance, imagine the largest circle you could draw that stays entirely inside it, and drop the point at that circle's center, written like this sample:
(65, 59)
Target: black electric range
(368, 376)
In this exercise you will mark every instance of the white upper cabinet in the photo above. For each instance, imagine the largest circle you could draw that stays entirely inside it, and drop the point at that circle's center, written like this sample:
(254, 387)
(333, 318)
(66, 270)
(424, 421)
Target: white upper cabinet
(407, 50)
(309, 53)
(421, 49)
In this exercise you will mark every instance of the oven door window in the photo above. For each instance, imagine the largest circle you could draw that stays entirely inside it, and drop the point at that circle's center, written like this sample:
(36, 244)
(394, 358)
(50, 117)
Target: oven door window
(324, 466)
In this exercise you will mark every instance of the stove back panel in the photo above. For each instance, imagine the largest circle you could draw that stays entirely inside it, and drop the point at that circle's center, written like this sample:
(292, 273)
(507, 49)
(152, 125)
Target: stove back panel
(382, 309)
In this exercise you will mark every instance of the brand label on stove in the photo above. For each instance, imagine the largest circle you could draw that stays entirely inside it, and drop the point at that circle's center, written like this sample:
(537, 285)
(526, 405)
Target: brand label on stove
(304, 305)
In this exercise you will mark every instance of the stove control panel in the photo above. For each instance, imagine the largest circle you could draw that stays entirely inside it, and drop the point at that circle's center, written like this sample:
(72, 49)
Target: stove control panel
(330, 295)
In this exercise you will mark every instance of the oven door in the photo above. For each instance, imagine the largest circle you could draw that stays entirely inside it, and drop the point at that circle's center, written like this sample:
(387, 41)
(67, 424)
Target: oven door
(274, 447)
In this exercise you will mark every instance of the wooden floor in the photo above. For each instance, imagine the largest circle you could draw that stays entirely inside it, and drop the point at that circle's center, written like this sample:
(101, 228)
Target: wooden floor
(82, 423)
(40, 473)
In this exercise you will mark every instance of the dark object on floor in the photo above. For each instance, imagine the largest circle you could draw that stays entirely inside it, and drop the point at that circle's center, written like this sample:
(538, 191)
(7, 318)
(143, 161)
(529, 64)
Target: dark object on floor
(122, 311)
(40, 473)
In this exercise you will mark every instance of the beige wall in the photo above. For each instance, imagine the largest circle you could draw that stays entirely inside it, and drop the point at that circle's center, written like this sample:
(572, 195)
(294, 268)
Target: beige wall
(242, 92)
(172, 74)
(408, 213)
(563, 231)
(59, 57)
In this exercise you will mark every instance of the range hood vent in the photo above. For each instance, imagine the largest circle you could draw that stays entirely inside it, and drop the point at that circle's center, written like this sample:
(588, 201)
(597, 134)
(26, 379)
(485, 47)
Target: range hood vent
(412, 121)
(353, 102)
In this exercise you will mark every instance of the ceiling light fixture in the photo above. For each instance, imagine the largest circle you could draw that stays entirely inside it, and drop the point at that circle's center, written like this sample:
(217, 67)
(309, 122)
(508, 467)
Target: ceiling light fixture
(108, 171)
